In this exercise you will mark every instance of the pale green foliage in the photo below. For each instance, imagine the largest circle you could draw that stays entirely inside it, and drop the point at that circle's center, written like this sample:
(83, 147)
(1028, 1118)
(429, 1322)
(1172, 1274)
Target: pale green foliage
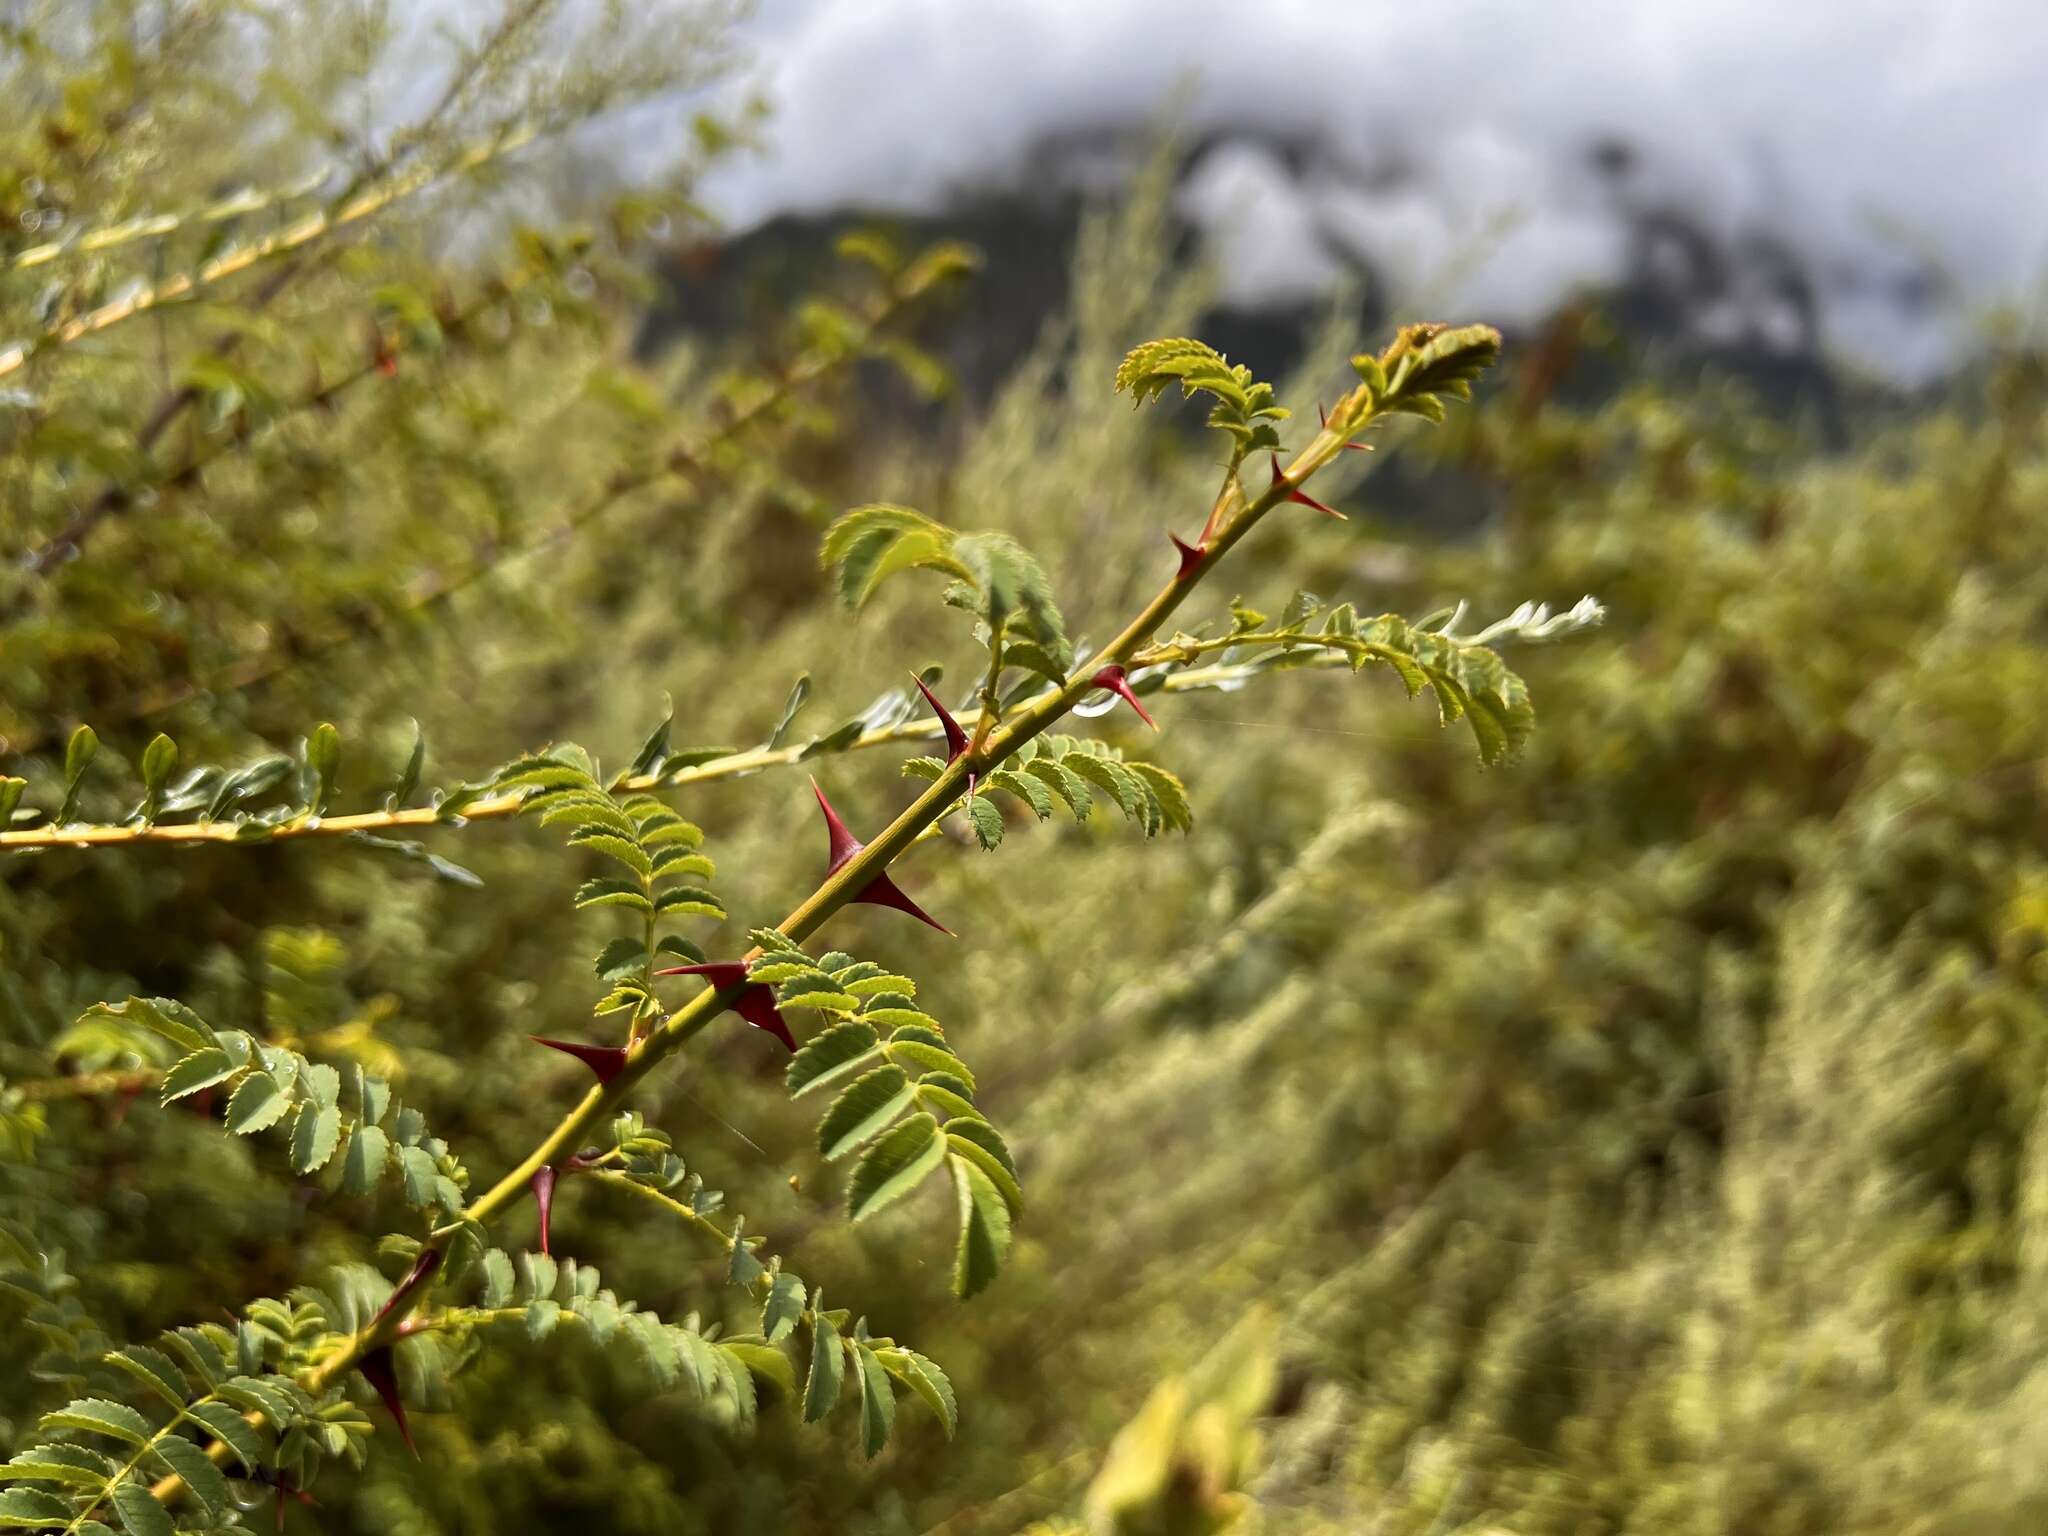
(1470, 681)
(902, 1099)
(1425, 363)
(1244, 406)
(201, 1386)
(998, 579)
(360, 451)
(1055, 770)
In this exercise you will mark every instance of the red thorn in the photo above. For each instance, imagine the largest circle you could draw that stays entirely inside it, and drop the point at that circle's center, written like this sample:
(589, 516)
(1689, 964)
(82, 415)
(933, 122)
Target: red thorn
(124, 1100)
(1324, 417)
(1295, 493)
(543, 1186)
(284, 1489)
(755, 1004)
(880, 891)
(720, 973)
(379, 1371)
(956, 739)
(1113, 679)
(423, 1267)
(884, 892)
(1191, 555)
(844, 845)
(605, 1061)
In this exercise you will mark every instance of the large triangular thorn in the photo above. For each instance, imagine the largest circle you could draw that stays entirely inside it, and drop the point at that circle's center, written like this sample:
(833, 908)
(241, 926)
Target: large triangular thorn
(605, 1061)
(956, 739)
(757, 1006)
(878, 892)
(1190, 555)
(884, 892)
(422, 1269)
(756, 1002)
(844, 844)
(1112, 678)
(543, 1185)
(382, 1374)
(1296, 493)
(720, 973)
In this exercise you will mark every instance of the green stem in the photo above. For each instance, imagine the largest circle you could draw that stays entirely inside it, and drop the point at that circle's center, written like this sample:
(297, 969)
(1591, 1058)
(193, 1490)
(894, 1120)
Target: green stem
(840, 887)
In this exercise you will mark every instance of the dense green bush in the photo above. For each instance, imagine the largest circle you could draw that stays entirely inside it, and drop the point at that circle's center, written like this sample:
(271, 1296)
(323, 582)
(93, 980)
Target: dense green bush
(1639, 1136)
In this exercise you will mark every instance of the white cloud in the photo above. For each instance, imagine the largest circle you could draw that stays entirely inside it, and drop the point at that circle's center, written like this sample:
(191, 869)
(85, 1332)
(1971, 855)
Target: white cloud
(1834, 126)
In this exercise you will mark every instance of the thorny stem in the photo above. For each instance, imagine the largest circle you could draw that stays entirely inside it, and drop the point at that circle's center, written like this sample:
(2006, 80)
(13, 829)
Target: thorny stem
(838, 888)
(842, 885)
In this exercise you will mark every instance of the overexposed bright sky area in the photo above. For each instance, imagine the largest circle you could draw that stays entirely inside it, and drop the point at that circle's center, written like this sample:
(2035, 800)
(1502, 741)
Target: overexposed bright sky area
(1883, 143)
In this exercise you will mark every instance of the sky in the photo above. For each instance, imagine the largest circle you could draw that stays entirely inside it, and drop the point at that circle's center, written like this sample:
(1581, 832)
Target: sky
(1898, 152)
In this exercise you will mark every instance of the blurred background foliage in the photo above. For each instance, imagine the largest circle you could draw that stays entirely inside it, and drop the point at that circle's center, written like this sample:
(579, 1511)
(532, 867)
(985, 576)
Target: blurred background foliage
(1643, 1136)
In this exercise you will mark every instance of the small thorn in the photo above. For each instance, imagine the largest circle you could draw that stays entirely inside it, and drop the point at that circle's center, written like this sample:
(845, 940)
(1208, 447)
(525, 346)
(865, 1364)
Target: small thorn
(1296, 493)
(1191, 555)
(543, 1185)
(605, 1061)
(379, 1371)
(1113, 680)
(844, 845)
(956, 739)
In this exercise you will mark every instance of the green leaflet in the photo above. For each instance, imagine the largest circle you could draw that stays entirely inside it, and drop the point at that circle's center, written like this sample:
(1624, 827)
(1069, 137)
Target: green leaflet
(877, 1401)
(863, 1109)
(828, 1370)
(32, 1509)
(139, 1511)
(153, 1369)
(997, 578)
(924, 1377)
(769, 1364)
(784, 1308)
(1244, 407)
(99, 1416)
(917, 1055)
(873, 542)
(987, 821)
(984, 1229)
(234, 1431)
(69, 1466)
(201, 1476)
(315, 1134)
(260, 1102)
(202, 1069)
(894, 1165)
(369, 1154)
(977, 1151)
(830, 1056)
